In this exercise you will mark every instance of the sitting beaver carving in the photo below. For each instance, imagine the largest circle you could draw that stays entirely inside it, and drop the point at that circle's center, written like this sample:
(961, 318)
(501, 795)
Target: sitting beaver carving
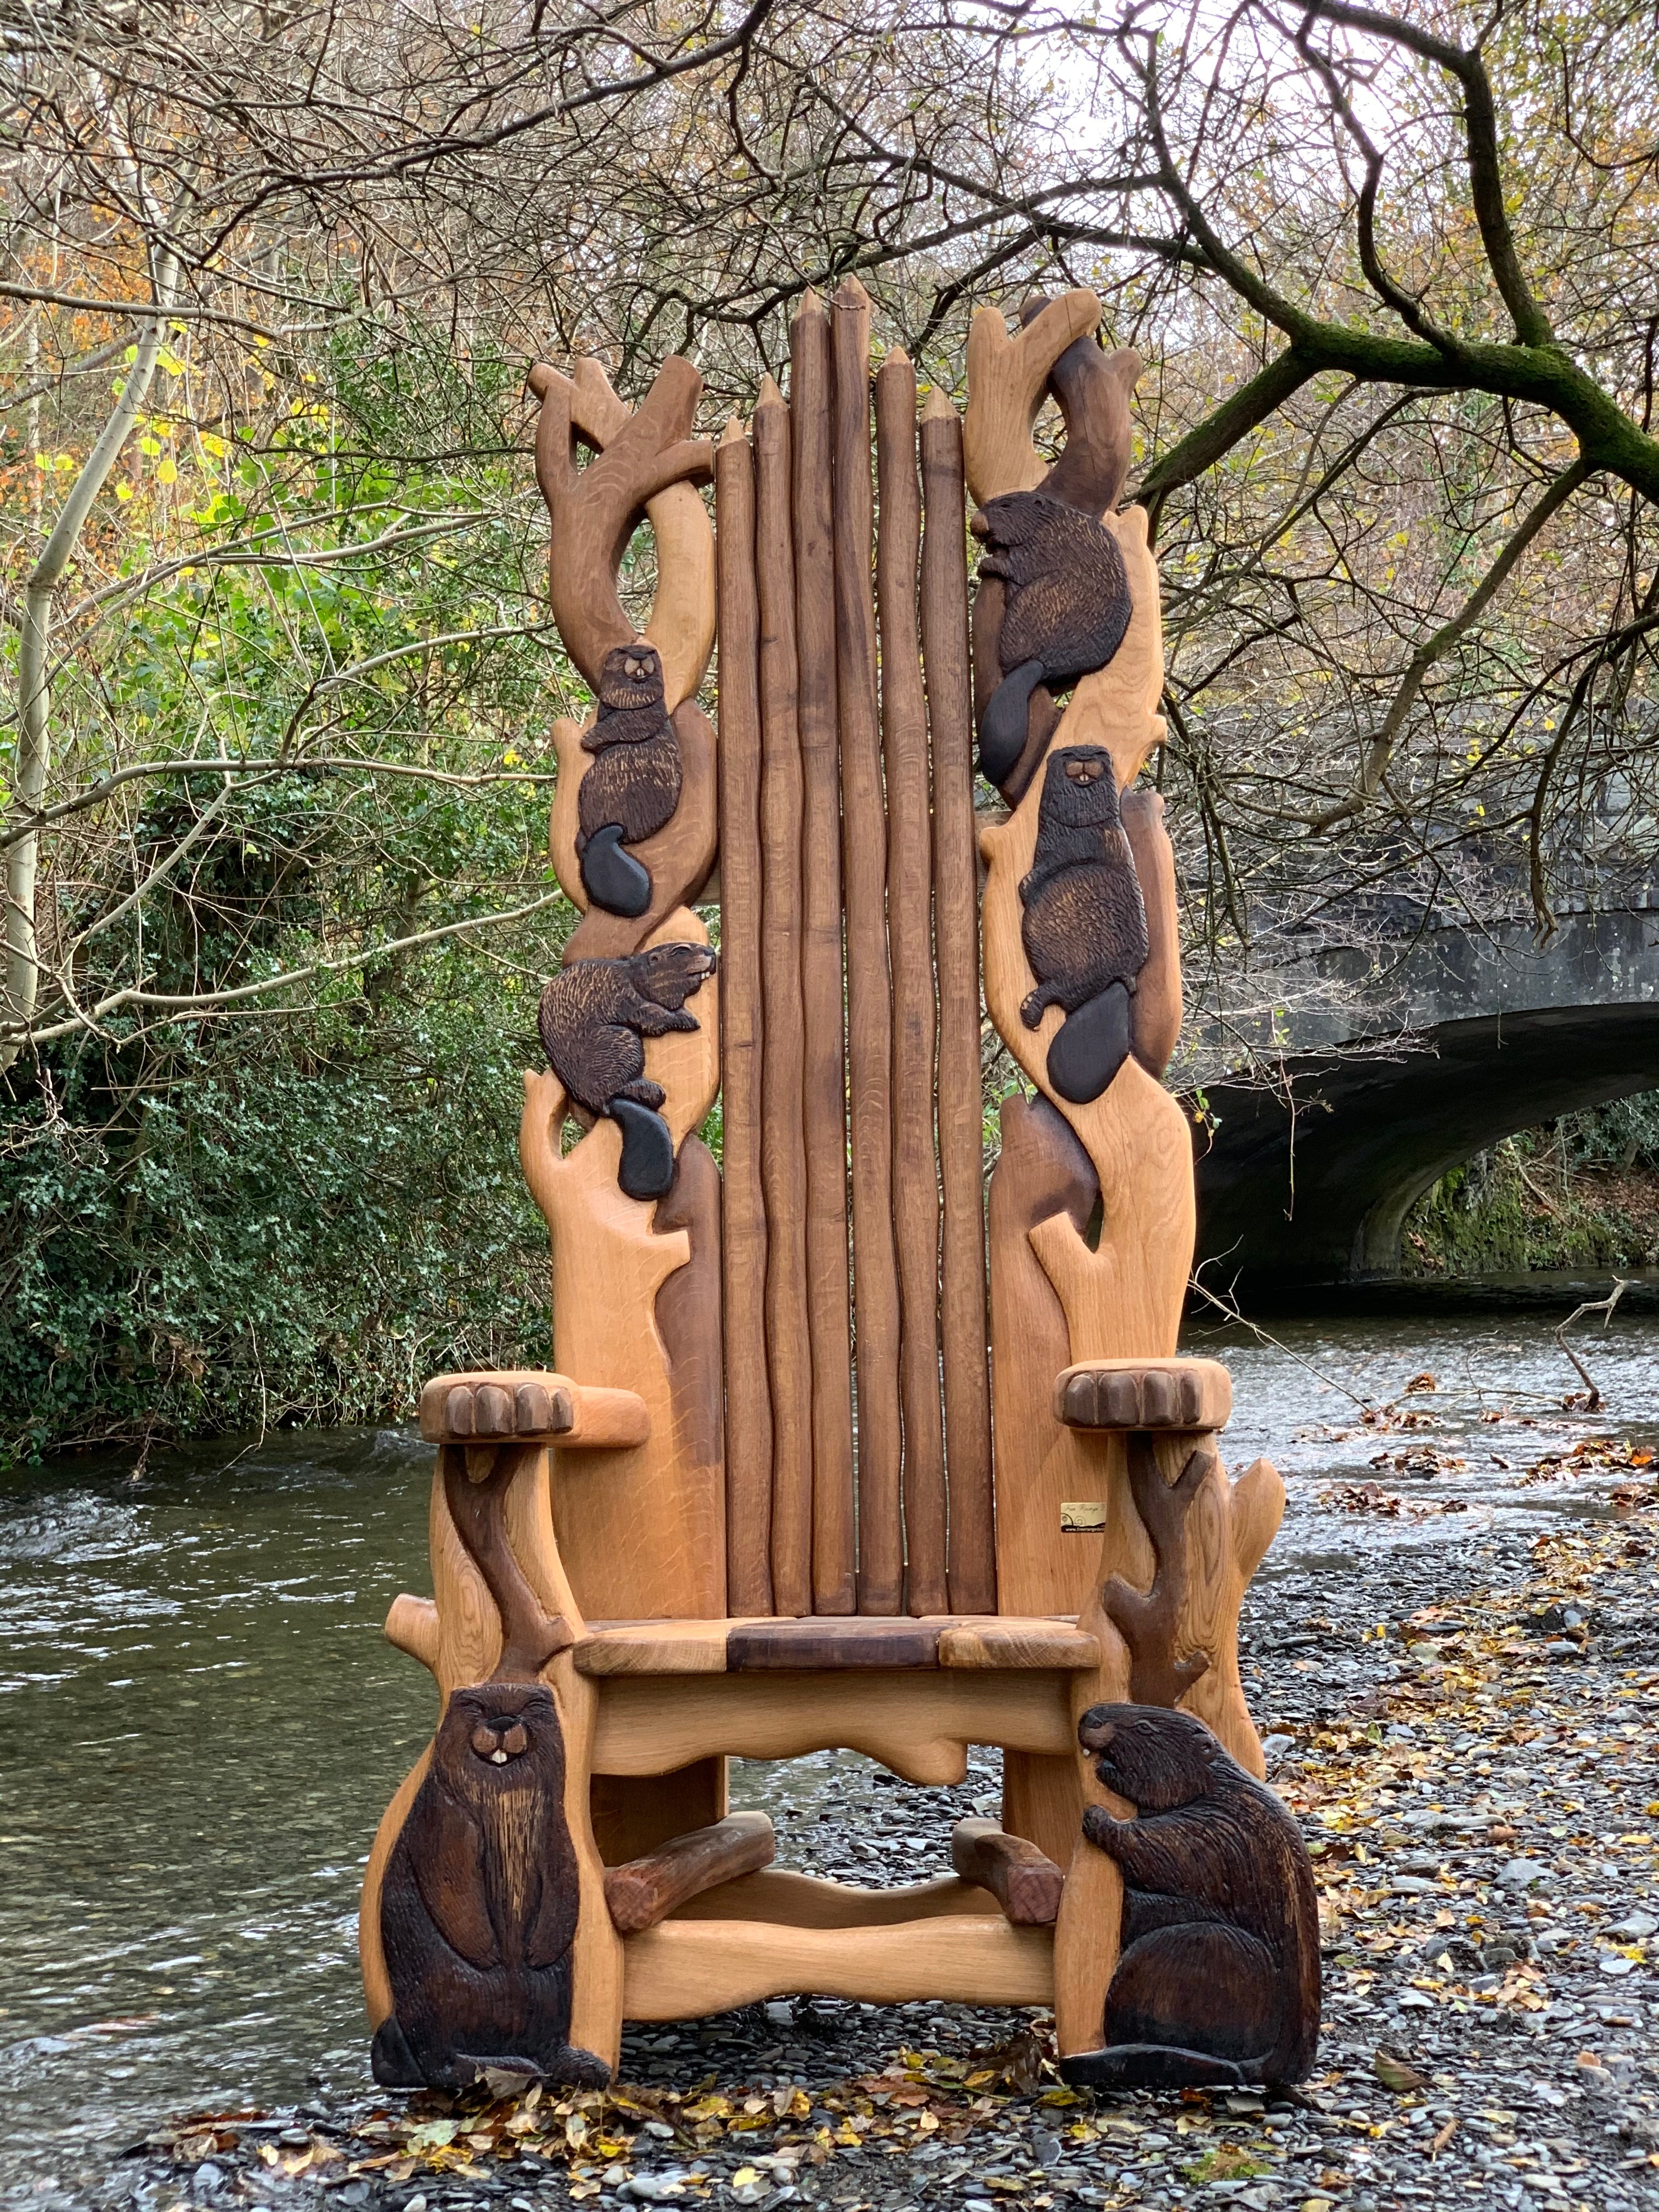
(478, 1908)
(1084, 924)
(1066, 611)
(1218, 1976)
(593, 1019)
(633, 786)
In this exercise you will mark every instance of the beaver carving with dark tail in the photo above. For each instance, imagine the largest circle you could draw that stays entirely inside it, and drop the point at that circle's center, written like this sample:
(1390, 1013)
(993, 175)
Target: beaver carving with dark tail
(1085, 925)
(1218, 1979)
(594, 1017)
(633, 786)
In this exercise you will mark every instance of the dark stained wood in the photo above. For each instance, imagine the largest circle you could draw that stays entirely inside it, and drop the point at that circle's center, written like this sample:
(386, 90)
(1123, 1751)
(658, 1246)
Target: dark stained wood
(742, 1221)
(1083, 928)
(1024, 1881)
(594, 1017)
(799, 1647)
(634, 1814)
(478, 1505)
(688, 1307)
(964, 1330)
(783, 1141)
(593, 510)
(644, 1891)
(1154, 1018)
(632, 788)
(869, 993)
(678, 859)
(910, 939)
(1093, 388)
(1150, 1621)
(828, 1279)
(1065, 613)
(1228, 1989)
(478, 1907)
(1154, 1393)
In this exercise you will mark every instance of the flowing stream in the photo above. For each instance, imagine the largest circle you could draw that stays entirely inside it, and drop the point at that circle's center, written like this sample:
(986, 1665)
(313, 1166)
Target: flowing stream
(201, 1722)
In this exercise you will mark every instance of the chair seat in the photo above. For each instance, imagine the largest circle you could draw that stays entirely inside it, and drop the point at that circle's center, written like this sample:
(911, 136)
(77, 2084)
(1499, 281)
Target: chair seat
(832, 1644)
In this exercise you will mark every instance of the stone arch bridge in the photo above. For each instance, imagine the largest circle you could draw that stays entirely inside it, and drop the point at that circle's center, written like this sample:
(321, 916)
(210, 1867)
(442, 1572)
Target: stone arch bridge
(1310, 1183)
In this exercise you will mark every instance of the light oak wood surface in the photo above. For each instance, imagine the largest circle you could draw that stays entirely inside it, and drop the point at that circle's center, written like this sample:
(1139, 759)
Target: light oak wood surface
(685, 1967)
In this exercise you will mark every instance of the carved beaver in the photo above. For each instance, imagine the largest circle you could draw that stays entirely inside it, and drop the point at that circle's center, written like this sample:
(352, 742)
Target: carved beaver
(479, 1909)
(1066, 611)
(1218, 1976)
(593, 1017)
(1084, 924)
(633, 786)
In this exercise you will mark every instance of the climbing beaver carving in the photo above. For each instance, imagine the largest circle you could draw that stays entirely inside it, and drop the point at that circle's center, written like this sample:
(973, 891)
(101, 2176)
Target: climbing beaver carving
(593, 1017)
(1218, 1976)
(479, 1909)
(1066, 611)
(1084, 923)
(633, 786)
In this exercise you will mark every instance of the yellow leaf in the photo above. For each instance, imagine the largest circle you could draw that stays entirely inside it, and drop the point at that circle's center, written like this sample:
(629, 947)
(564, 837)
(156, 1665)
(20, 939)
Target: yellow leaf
(124, 491)
(168, 473)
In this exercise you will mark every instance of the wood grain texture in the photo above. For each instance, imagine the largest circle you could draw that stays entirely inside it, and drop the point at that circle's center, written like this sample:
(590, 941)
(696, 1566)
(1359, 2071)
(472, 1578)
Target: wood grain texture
(678, 858)
(632, 787)
(480, 1900)
(1024, 1881)
(689, 1313)
(1163, 1665)
(783, 1141)
(686, 1967)
(1155, 1020)
(812, 1646)
(786, 1900)
(1007, 379)
(594, 511)
(486, 1405)
(916, 1720)
(910, 940)
(1144, 1394)
(643, 1531)
(1007, 1642)
(828, 1279)
(1219, 1977)
(645, 1890)
(869, 983)
(633, 1814)
(748, 1393)
(1042, 1175)
(962, 1291)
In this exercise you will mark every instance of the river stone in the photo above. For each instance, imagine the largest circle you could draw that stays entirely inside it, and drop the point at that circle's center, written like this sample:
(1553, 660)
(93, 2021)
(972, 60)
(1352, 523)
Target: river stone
(1524, 1874)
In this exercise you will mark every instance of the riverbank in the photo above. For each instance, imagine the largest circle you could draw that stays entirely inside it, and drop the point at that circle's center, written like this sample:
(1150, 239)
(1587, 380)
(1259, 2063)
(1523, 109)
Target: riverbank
(1468, 1756)
(202, 1723)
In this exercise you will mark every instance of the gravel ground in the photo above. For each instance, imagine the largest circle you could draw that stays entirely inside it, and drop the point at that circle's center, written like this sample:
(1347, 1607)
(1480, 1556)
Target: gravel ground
(1463, 1727)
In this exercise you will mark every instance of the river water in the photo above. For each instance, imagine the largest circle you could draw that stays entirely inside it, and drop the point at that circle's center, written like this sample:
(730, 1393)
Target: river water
(201, 1724)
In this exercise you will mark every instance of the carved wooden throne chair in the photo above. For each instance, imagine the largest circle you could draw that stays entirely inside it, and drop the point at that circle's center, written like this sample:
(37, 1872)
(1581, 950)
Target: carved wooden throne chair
(823, 1462)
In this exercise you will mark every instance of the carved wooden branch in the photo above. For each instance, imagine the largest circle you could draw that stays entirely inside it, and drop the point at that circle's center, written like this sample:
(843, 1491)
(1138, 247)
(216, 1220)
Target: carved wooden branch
(1007, 377)
(1149, 1622)
(646, 1890)
(595, 510)
(1025, 1880)
(476, 1479)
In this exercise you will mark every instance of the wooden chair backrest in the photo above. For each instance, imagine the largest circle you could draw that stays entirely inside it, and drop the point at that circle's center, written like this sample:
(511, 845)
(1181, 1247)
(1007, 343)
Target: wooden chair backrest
(810, 1328)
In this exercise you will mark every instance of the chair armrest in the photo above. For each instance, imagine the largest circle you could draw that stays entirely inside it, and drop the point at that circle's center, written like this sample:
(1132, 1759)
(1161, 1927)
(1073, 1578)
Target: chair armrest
(1194, 1394)
(520, 1405)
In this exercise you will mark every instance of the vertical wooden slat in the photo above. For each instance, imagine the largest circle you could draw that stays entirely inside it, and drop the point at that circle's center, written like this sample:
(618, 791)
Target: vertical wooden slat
(869, 1003)
(827, 1280)
(748, 1401)
(963, 1306)
(783, 1157)
(909, 920)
